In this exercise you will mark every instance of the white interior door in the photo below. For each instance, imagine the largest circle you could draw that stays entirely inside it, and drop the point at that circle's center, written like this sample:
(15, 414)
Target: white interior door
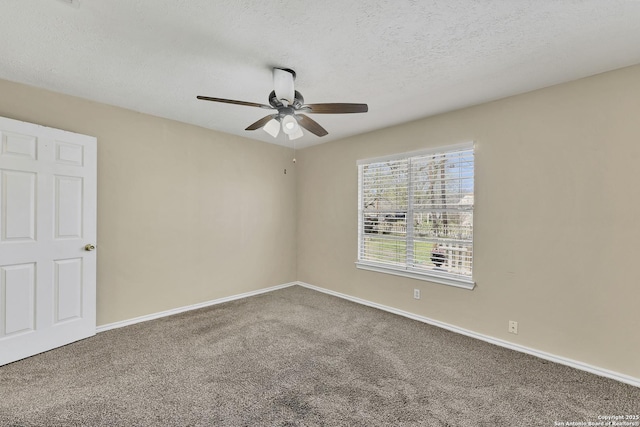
(47, 217)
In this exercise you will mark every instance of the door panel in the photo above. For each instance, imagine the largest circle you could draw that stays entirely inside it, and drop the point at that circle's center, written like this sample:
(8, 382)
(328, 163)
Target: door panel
(15, 145)
(18, 205)
(70, 154)
(68, 289)
(18, 286)
(47, 216)
(68, 197)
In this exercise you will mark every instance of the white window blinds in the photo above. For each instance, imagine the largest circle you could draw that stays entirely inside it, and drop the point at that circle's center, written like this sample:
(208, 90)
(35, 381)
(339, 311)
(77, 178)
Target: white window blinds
(415, 212)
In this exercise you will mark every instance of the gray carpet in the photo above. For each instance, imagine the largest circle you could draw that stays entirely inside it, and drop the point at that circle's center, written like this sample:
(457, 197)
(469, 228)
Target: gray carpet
(296, 357)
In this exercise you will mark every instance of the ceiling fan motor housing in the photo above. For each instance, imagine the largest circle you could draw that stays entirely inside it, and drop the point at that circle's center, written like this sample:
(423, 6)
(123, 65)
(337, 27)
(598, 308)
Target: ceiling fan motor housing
(298, 100)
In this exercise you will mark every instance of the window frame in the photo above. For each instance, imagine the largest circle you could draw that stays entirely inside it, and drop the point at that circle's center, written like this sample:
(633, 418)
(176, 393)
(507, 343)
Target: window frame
(407, 270)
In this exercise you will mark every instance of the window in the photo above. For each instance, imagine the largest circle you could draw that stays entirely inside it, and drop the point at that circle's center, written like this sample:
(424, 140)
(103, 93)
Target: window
(415, 215)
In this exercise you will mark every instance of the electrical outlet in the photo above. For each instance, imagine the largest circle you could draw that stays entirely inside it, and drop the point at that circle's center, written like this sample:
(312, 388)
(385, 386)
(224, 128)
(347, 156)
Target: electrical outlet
(513, 327)
(416, 293)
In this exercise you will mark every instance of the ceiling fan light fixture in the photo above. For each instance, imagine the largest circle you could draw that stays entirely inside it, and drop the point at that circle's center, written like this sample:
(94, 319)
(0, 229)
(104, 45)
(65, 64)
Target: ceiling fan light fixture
(272, 127)
(296, 134)
(289, 124)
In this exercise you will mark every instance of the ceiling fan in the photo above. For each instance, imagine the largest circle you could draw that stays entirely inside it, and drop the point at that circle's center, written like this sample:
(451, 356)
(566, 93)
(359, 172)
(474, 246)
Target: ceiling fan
(289, 105)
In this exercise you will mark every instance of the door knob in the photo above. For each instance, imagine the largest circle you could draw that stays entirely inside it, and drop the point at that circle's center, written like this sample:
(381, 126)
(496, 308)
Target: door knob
(89, 247)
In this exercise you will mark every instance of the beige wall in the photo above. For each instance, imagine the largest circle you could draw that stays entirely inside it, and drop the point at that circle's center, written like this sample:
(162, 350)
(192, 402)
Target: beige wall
(185, 215)
(557, 231)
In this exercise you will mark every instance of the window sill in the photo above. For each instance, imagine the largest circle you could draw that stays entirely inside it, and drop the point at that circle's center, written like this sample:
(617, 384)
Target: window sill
(427, 276)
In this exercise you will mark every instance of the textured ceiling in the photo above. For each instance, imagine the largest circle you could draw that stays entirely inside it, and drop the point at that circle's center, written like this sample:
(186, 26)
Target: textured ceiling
(405, 58)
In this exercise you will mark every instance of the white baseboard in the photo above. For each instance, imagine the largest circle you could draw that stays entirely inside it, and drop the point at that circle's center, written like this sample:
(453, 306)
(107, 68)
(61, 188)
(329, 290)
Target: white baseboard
(541, 354)
(172, 311)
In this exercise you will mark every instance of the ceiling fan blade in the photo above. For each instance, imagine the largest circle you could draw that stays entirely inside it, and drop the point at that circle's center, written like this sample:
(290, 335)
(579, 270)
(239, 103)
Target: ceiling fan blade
(233, 101)
(283, 84)
(336, 108)
(263, 121)
(310, 125)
